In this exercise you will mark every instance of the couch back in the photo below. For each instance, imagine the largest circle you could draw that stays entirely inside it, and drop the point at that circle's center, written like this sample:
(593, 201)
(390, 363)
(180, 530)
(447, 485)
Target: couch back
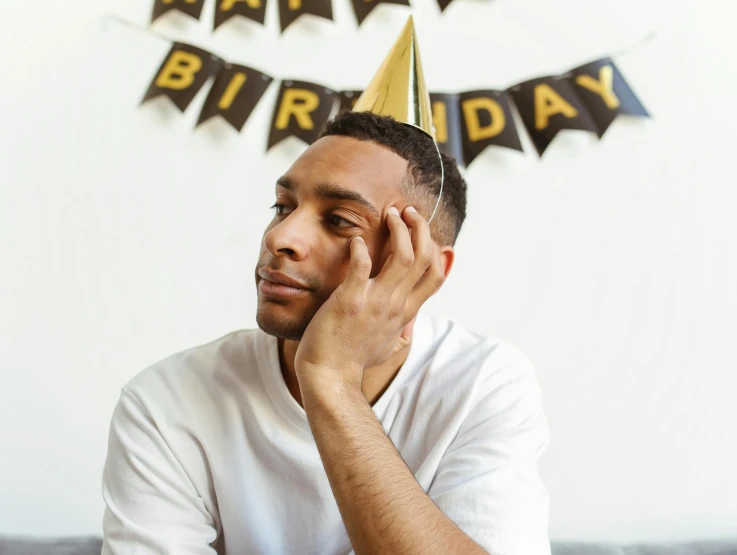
(93, 546)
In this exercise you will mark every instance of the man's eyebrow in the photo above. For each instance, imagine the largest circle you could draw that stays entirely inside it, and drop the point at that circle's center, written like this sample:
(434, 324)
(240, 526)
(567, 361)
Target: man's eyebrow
(332, 191)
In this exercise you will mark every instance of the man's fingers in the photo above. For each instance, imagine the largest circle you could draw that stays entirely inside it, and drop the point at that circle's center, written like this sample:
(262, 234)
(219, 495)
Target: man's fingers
(415, 277)
(430, 282)
(422, 246)
(402, 255)
(359, 269)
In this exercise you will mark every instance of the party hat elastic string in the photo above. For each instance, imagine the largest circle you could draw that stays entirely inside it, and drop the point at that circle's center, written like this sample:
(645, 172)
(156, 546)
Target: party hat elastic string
(442, 180)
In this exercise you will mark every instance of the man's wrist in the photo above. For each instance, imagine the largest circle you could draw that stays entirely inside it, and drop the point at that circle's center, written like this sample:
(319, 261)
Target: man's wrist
(320, 389)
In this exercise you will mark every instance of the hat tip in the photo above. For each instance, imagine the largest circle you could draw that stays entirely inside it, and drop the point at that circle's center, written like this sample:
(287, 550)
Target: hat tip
(398, 88)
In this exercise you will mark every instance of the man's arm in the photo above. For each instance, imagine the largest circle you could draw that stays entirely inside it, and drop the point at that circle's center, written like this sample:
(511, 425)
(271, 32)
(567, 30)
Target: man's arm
(363, 322)
(383, 507)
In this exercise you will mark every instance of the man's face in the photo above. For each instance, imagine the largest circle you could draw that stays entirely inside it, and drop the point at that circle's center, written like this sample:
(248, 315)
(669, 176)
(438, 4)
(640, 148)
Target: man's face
(339, 188)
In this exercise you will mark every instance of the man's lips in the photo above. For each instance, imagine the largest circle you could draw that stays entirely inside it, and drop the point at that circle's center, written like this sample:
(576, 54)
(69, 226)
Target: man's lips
(280, 278)
(278, 285)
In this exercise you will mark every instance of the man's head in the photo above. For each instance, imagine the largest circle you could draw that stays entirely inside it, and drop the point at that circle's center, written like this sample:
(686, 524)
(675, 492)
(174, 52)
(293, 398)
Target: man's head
(343, 186)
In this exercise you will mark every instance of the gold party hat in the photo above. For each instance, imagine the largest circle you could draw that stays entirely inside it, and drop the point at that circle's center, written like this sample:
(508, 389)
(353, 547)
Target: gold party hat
(398, 89)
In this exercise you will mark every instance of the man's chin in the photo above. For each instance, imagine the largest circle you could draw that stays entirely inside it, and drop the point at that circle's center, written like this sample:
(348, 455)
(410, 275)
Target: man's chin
(284, 326)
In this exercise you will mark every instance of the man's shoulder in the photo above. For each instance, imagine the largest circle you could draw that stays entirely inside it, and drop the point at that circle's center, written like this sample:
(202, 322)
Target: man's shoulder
(485, 363)
(197, 371)
(450, 339)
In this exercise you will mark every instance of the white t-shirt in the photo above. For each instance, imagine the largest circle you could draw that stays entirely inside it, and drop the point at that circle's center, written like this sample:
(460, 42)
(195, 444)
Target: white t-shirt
(209, 452)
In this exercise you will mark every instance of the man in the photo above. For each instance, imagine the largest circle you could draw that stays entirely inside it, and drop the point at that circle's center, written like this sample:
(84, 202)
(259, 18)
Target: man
(348, 422)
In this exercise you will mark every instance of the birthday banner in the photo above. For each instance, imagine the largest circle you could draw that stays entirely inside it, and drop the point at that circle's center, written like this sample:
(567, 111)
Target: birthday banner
(587, 98)
(255, 10)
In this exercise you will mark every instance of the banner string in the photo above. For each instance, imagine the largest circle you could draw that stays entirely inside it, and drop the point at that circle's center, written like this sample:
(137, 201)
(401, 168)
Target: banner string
(622, 51)
(108, 17)
(635, 45)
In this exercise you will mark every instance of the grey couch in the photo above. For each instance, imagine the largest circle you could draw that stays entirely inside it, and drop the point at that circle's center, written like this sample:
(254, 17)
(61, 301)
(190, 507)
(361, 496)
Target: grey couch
(92, 546)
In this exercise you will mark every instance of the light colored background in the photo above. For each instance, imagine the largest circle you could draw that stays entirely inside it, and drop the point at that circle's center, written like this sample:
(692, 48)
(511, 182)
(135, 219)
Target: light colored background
(126, 236)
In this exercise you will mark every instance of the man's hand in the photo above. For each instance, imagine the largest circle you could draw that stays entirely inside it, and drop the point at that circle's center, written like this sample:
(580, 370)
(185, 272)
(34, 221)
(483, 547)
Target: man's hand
(366, 320)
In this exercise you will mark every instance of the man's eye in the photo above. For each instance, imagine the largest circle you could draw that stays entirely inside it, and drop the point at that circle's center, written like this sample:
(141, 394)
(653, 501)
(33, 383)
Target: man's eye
(278, 207)
(337, 220)
(332, 219)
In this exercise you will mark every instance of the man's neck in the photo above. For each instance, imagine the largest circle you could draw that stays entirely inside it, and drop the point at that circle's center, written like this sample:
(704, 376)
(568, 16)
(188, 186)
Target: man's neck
(375, 379)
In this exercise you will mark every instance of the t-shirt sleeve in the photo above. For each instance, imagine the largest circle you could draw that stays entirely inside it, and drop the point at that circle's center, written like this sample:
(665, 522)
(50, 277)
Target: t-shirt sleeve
(488, 481)
(152, 507)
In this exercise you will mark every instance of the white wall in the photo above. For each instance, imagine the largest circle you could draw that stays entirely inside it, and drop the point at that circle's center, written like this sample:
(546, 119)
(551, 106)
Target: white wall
(126, 236)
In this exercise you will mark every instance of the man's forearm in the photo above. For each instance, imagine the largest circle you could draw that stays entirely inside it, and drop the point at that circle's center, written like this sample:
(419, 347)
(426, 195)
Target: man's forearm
(383, 507)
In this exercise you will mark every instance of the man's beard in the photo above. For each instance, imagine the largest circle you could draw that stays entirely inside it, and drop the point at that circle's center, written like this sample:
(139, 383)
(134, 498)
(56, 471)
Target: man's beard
(289, 319)
(290, 327)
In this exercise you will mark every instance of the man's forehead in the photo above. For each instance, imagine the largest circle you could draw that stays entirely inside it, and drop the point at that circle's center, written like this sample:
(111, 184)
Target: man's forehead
(351, 163)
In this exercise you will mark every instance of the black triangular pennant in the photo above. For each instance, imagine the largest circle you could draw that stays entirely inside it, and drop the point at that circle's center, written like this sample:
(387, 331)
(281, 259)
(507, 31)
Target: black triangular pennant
(234, 95)
(363, 8)
(444, 4)
(254, 10)
(487, 119)
(547, 105)
(192, 8)
(184, 70)
(446, 118)
(290, 10)
(302, 110)
(605, 93)
(347, 99)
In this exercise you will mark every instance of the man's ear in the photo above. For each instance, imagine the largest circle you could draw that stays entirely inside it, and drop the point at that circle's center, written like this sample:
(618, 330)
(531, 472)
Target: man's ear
(407, 331)
(447, 256)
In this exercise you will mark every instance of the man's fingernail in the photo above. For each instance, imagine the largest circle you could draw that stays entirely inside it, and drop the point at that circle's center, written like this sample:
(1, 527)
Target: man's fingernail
(393, 210)
(411, 209)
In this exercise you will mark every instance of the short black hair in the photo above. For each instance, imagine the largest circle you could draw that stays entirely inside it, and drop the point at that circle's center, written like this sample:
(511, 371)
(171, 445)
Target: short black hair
(418, 149)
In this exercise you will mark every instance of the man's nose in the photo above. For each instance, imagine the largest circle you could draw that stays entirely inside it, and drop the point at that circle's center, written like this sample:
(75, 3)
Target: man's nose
(290, 236)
